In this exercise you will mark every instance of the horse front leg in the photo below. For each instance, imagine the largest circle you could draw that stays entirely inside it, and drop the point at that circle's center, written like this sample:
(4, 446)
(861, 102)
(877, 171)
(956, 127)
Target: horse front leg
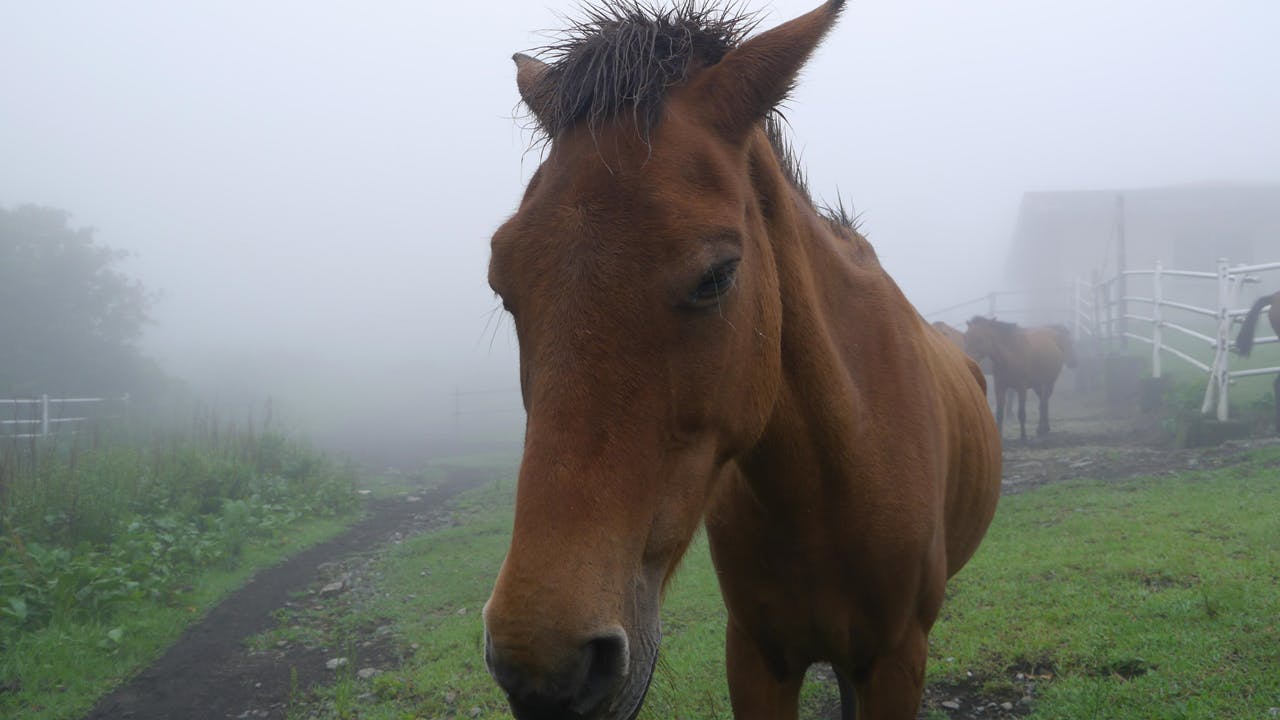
(1022, 414)
(1042, 428)
(1002, 399)
(894, 684)
(755, 691)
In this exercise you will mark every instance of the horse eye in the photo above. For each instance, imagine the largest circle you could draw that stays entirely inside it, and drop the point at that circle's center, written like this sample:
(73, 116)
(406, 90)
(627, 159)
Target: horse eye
(715, 282)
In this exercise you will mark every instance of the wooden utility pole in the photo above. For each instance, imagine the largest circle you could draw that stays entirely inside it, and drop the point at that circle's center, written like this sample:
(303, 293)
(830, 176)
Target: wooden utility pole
(1122, 284)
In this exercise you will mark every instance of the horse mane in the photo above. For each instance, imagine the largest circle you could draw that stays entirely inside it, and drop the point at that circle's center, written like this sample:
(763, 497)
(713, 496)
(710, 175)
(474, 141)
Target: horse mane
(623, 55)
(843, 220)
(1004, 330)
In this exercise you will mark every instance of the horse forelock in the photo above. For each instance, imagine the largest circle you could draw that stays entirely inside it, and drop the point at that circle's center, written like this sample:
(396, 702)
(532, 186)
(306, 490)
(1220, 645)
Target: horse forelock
(623, 56)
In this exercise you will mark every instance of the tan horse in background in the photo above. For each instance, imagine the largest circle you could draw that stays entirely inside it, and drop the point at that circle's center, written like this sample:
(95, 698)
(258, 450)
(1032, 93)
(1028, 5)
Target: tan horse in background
(1244, 341)
(1022, 359)
(698, 342)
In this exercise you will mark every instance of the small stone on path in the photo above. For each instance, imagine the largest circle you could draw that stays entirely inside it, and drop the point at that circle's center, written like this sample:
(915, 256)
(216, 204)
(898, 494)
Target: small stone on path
(332, 588)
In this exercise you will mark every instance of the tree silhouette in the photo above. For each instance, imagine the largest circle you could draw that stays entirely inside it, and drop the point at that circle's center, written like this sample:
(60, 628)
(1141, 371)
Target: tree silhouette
(70, 322)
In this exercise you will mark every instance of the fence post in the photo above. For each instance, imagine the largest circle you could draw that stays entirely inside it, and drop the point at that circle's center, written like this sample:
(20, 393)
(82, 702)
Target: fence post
(1218, 374)
(1210, 390)
(1097, 311)
(1157, 320)
(1109, 319)
(44, 415)
(1224, 337)
(1122, 282)
(1074, 304)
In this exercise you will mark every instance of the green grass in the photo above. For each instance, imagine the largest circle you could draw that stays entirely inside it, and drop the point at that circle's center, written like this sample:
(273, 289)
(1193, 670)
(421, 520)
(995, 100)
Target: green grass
(1153, 598)
(59, 671)
(1147, 598)
(111, 546)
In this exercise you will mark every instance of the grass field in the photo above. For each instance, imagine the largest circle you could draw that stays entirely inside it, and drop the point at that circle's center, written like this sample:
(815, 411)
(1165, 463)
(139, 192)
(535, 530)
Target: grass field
(58, 671)
(1142, 598)
(109, 548)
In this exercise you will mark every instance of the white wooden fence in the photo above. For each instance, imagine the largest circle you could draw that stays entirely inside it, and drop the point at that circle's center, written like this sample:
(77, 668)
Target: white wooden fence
(1224, 315)
(1104, 311)
(44, 416)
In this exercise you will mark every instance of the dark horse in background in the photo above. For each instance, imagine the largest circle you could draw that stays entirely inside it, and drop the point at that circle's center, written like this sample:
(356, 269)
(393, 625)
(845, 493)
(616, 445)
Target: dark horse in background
(1244, 341)
(699, 343)
(1021, 359)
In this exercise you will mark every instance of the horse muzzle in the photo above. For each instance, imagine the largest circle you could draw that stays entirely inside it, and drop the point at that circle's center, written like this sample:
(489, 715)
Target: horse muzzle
(600, 678)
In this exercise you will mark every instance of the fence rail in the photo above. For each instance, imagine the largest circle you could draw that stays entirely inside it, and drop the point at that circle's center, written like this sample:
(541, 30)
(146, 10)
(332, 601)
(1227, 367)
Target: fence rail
(1115, 313)
(46, 414)
(1075, 309)
(1229, 281)
(1105, 311)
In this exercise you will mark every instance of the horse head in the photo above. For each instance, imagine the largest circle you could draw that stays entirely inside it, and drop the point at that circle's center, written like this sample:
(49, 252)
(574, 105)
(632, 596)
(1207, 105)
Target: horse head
(646, 305)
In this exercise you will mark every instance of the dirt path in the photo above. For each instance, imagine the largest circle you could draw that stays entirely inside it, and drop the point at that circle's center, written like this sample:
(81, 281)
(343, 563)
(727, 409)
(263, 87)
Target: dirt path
(211, 674)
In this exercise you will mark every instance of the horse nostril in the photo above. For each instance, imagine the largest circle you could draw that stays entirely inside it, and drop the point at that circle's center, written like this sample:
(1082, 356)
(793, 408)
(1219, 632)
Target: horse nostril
(605, 661)
(580, 688)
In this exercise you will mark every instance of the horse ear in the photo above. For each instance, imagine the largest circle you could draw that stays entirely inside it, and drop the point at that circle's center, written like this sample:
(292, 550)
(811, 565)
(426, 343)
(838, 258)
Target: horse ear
(531, 79)
(757, 75)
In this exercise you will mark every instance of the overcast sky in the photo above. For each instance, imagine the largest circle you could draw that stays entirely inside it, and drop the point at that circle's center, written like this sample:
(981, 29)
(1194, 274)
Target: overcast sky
(312, 186)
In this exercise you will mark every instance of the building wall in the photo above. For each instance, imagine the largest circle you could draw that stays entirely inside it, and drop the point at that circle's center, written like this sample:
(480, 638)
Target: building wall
(1060, 236)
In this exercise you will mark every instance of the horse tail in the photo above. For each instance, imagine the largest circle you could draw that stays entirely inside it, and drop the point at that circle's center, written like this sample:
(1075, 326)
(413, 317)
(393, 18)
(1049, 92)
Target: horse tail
(1244, 341)
(1065, 344)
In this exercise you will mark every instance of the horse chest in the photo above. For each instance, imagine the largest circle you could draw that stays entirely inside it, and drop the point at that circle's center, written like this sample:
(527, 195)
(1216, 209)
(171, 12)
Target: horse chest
(825, 598)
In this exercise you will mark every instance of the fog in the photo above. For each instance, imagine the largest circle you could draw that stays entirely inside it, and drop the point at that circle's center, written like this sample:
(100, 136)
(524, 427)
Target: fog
(311, 186)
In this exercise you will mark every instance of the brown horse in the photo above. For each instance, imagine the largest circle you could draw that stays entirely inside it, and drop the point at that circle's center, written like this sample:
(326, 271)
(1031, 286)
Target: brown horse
(1244, 341)
(955, 336)
(698, 342)
(1021, 359)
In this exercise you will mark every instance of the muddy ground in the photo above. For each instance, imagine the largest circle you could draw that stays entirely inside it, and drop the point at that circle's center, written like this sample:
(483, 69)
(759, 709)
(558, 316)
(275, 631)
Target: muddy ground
(213, 673)
(217, 672)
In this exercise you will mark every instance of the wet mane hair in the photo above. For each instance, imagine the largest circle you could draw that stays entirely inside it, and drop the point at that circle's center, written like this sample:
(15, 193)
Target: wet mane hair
(624, 54)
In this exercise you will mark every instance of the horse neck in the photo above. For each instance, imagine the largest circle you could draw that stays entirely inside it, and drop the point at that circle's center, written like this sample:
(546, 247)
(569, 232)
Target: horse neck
(840, 310)
(1009, 355)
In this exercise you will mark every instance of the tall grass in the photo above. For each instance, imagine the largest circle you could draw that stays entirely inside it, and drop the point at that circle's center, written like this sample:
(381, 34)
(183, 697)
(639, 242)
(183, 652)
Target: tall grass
(94, 523)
